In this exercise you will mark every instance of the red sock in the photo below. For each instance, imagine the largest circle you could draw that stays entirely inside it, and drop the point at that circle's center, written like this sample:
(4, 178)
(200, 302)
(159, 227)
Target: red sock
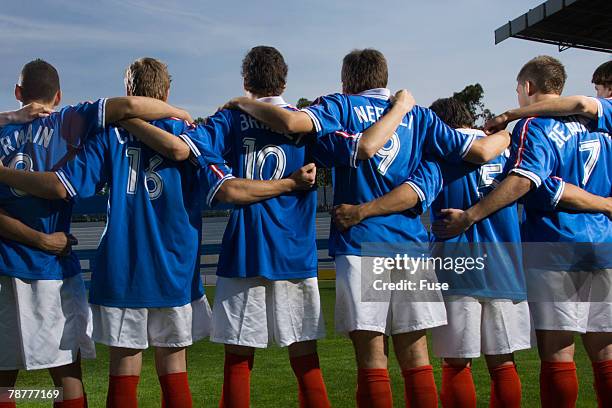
(558, 384)
(312, 392)
(72, 403)
(236, 381)
(373, 388)
(458, 389)
(505, 387)
(602, 371)
(175, 391)
(8, 404)
(122, 391)
(420, 387)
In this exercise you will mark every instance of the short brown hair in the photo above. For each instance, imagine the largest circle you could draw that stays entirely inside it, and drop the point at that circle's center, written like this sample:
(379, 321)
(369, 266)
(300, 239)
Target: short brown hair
(39, 81)
(148, 77)
(453, 112)
(546, 73)
(603, 74)
(364, 69)
(264, 71)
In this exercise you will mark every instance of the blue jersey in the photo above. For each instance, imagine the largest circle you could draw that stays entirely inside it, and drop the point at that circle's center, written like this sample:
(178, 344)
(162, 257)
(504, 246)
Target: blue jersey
(148, 255)
(547, 196)
(339, 120)
(274, 238)
(572, 149)
(497, 235)
(43, 145)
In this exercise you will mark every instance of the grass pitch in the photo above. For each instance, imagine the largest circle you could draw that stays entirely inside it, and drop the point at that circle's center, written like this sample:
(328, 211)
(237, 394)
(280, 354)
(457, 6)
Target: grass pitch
(273, 383)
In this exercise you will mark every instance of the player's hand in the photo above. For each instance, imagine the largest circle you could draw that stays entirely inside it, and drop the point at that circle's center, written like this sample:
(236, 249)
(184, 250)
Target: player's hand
(454, 223)
(404, 100)
(496, 124)
(30, 112)
(58, 243)
(305, 177)
(346, 215)
(184, 115)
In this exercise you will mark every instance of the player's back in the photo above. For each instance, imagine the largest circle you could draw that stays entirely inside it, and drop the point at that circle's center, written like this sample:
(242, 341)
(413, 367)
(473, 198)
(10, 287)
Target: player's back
(274, 238)
(44, 144)
(148, 255)
(573, 150)
(464, 185)
(358, 182)
(496, 238)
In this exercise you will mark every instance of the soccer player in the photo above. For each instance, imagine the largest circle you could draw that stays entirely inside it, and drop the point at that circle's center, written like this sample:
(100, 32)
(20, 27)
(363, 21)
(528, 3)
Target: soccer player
(33, 280)
(573, 149)
(364, 170)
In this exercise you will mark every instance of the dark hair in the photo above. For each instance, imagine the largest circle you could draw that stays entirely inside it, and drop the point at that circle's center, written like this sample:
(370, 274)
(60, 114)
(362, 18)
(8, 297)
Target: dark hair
(264, 71)
(603, 74)
(364, 69)
(546, 73)
(453, 112)
(148, 77)
(39, 81)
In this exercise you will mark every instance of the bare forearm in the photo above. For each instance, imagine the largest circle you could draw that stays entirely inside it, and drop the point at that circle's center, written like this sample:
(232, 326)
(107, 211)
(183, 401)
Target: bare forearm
(40, 184)
(510, 190)
(398, 200)
(157, 139)
(7, 118)
(563, 106)
(377, 135)
(488, 148)
(129, 107)
(575, 198)
(243, 192)
(278, 119)
(15, 230)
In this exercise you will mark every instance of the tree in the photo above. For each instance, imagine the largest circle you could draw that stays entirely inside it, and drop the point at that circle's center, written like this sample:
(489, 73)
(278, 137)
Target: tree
(199, 120)
(303, 102)
(472, 96)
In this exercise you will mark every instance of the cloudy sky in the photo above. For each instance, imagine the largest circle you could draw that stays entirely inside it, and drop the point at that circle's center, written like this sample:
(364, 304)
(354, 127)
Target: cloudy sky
(433, 48)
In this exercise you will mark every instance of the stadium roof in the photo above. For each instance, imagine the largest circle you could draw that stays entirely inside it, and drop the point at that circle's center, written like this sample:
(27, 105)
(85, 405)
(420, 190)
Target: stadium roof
(567, 23)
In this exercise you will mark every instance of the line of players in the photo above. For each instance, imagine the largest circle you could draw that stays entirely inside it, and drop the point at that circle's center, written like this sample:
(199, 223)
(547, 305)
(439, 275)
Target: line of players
(146, 288)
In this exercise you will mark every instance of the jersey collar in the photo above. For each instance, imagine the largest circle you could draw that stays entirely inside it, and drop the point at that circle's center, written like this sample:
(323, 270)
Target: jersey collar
(274, 100)
(378, 93)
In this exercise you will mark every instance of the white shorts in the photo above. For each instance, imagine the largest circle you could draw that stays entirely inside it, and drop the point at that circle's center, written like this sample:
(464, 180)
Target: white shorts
(44, 323)
(490, 327)
(571, 301)
(139, 328)
(255, 312)
(396, 312)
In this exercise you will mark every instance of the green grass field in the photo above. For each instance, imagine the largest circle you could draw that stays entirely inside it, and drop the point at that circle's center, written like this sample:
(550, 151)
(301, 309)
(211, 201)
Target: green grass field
(273, 384)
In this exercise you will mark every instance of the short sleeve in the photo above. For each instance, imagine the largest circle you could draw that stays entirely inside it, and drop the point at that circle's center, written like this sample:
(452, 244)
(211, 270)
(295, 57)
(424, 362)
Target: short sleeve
(209, 141)
(212, 177)
(87, 173)
(604, 114)
(531, 153)
(440, 139)
(336, 149)
(327, 114)
(427, 182)
(79, 121)
(547, 196)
